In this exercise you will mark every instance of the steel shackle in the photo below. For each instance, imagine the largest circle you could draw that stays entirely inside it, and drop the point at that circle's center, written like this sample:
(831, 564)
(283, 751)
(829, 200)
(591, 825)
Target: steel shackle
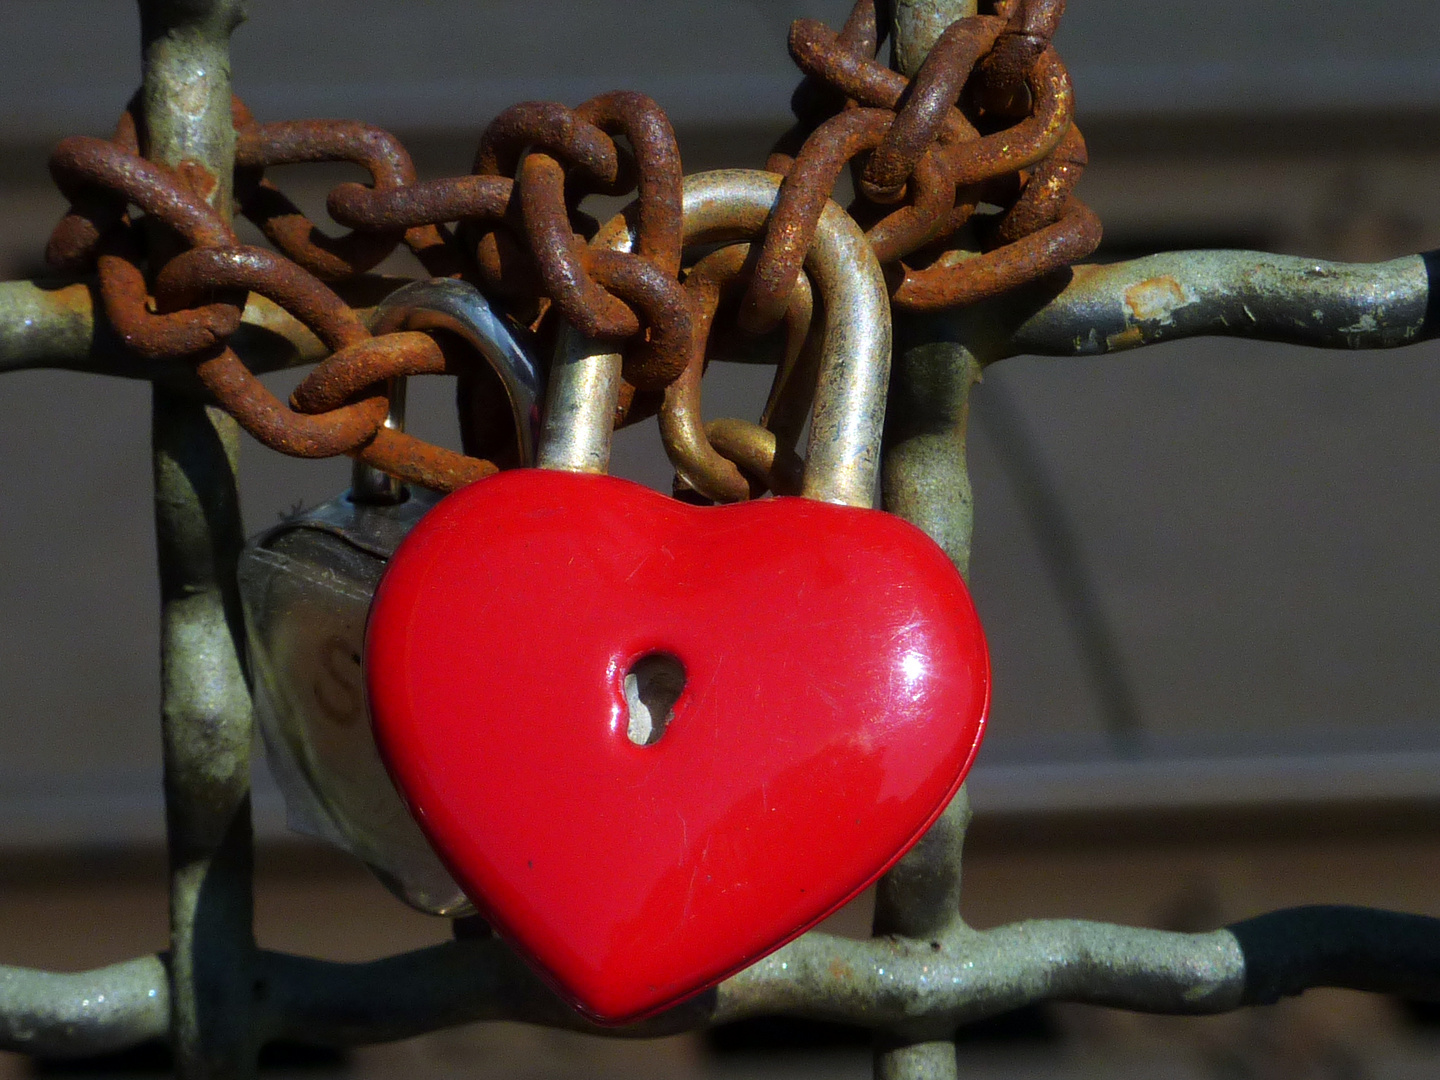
(459, 308)
(732, 205)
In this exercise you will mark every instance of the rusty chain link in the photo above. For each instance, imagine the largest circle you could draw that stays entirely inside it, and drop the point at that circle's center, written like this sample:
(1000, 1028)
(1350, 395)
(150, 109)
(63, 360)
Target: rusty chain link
(963, 177)
(985, 121)
(943, 143)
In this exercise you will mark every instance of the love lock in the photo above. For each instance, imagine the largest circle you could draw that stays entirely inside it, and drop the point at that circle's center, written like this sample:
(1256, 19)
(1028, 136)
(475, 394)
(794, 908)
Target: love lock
(814, 674)
(306, 586)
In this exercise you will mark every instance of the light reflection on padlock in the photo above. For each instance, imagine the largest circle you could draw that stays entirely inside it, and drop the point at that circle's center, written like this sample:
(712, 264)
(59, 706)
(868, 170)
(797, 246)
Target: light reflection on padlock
(307, 585)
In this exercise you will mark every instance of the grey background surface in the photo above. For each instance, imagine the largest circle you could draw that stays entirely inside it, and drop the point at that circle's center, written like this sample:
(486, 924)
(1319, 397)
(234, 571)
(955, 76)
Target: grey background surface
(414, 64)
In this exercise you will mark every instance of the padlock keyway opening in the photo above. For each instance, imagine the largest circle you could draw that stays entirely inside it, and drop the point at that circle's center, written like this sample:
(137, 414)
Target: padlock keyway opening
(652, 686)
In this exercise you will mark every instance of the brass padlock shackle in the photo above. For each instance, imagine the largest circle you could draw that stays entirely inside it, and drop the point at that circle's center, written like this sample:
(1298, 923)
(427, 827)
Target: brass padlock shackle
(843, 456)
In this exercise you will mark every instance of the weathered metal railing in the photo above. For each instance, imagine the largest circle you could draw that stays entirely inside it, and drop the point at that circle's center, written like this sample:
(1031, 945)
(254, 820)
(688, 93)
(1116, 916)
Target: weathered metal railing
(217, 998)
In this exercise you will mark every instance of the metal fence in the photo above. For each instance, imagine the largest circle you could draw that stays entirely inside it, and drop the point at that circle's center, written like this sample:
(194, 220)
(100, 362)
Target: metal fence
(216, 997)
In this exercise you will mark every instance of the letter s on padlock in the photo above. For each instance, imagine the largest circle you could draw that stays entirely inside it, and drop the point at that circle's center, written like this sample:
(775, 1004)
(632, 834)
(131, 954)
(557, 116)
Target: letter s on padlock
(833, 674)
(306, 586)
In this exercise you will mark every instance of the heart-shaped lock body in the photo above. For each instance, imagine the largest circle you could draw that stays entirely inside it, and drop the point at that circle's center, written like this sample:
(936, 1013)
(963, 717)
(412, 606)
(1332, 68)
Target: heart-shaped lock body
(835, 684)
(834, 673)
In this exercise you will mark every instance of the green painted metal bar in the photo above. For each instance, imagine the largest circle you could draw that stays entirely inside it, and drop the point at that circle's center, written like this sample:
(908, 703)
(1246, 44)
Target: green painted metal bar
(1092, 310)
(896, 984)
(886, 983)
(64, 1014)
(925, 480)
(206, 710)
(924, 477)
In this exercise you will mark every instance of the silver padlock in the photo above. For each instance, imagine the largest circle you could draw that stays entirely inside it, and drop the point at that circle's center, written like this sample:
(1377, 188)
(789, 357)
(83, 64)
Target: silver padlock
(306, 585)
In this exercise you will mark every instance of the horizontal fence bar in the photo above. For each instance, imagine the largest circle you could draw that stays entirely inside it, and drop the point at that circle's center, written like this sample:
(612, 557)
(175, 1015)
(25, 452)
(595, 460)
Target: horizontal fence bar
(1101, 309)
(52, 324)
(60, 1014)
(1094, 309)
(886, 983)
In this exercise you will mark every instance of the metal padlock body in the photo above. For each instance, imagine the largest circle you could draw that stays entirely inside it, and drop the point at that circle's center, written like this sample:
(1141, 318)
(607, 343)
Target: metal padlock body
(835, 676)
(307, 584)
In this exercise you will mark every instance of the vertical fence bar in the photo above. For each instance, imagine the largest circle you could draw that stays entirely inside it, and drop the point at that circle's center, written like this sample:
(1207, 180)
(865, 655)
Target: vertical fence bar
(206, 712)
(924, 479)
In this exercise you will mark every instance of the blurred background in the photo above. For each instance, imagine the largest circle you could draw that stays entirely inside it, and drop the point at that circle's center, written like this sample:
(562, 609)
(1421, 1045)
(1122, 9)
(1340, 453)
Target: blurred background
(1206, 569)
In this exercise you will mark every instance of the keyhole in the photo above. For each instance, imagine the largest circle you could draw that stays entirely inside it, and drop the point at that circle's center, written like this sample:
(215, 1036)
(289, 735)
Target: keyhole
(652, 686)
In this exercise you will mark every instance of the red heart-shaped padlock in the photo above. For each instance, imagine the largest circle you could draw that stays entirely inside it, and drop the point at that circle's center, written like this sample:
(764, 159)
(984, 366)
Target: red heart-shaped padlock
(836, 682)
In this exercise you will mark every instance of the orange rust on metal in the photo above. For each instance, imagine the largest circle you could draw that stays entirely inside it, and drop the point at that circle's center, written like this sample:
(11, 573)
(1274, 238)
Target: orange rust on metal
(192, 275)
(658, 226)
(417, 462)
(1155, 298)
(293, 142)
(923, 218)
(942, 285)
(261, 146)
(927, 102)
(435, 248)
(1129, 338)
(330, 258)
(551, 127)
(818, 52)
(457, 198)
(103, 177)
(519, 229)
(125, 296)
(505, 257)
(502, 259)
(1027, 142)
(93, 212)
(606, 294)
(81, 165)
(813, 100)
(798, 207)
(362, 364)
(1047, 189)
(197, 178)
(367, 364)
(268, 419)
(662, 353)
(1031, 27)
(863, 30)
(821, 54)
(559, 253)
(933, 152)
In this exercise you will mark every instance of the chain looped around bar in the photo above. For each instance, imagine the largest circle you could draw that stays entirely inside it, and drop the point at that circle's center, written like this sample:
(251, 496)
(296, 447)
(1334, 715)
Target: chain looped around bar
(924, 140)
(985, 121)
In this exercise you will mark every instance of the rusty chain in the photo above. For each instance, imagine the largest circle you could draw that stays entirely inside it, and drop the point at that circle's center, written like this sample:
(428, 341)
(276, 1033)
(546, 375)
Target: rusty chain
(963, 179)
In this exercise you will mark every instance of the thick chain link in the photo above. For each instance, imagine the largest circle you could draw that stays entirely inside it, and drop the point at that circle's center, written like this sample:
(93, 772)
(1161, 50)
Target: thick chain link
(985, 121)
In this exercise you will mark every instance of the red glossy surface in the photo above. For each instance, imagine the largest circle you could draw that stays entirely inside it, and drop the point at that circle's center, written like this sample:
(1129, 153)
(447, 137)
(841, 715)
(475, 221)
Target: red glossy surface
(836, 687)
